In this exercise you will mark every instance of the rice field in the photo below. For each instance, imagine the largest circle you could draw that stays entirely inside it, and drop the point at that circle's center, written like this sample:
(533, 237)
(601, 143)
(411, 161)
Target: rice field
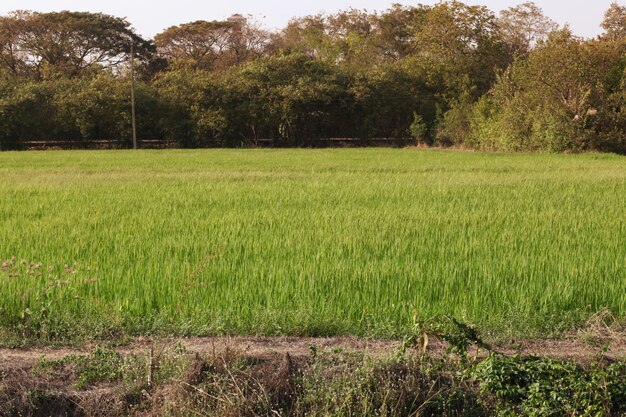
(307, 242)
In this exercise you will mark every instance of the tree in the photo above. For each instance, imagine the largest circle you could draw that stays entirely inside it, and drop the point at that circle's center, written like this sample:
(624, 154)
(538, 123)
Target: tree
(68, 43)
(566, 95)
(248, 41)
(386, 99)
(309, 36)
(614, 22)
(395, 29)
(292, 99)
(353, 33)
(462, 45)
(524, 26)
(351, 37)
(199, 43)
(193, 101)
(27, 111)
(12, 29)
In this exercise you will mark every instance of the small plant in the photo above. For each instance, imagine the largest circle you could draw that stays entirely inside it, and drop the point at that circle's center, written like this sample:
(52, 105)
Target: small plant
(418, 129)
(539, 386)
(100, 365)
(459, 336)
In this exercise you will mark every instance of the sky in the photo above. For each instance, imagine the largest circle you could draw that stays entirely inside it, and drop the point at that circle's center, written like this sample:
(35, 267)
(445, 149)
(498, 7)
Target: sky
(151, 17)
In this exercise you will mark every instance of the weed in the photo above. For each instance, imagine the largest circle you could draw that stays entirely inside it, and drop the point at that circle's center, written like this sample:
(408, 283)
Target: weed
(536, 386)
(100, 365)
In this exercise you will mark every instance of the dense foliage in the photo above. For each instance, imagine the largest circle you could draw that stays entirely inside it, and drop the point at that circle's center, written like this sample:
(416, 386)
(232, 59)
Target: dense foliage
(449, 74)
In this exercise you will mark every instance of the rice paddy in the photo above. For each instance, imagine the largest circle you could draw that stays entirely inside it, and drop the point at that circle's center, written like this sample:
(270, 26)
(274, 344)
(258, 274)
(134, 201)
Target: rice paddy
(307, 242)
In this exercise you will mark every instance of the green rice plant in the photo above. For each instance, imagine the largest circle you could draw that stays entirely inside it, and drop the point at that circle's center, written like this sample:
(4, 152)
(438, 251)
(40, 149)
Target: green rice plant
(309, 242)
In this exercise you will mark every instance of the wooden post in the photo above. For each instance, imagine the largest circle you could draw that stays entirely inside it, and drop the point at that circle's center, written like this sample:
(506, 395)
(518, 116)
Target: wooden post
(132, 93)
(150, 365)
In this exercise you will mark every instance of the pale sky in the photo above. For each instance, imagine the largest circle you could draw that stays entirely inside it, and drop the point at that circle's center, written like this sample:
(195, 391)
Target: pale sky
(151, 17)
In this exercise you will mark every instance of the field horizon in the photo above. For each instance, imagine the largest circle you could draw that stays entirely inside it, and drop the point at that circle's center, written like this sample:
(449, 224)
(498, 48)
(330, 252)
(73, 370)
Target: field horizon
(365, 242)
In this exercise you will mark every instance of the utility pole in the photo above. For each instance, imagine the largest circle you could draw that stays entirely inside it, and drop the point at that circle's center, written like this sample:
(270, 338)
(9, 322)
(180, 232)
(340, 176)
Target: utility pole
(132, 93)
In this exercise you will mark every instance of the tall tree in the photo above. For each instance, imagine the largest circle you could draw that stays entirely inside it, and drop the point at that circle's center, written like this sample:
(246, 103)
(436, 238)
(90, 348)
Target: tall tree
(12, 30)
(199, 43)
(248, 41)
(614, 22)
(353, 33)
(462, 46)
(395, 29)
(524, 25)
(566, 95)
(69, 43)
(309, 36)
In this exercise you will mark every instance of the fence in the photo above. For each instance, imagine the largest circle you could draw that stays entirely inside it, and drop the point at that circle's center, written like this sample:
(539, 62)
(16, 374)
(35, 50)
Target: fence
(164, 144)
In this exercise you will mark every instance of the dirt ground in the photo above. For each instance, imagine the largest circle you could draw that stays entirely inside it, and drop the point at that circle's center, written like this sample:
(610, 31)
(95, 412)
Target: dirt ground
(580, 349)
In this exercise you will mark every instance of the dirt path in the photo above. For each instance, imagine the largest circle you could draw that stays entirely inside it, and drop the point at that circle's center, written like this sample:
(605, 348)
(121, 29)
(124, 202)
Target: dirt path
(576, 349)
(272, 364)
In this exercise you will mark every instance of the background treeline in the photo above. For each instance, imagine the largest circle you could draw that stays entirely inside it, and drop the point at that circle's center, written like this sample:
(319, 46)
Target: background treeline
(449, 74)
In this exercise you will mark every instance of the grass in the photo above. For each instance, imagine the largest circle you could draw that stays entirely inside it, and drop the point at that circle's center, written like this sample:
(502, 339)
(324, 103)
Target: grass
(307, 242)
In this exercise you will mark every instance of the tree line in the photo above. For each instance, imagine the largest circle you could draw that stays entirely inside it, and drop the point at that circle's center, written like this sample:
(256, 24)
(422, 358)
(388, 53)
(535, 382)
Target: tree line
(450, 74)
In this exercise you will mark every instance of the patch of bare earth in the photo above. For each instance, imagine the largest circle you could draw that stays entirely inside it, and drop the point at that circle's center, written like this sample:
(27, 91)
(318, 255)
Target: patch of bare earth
(580, 349)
